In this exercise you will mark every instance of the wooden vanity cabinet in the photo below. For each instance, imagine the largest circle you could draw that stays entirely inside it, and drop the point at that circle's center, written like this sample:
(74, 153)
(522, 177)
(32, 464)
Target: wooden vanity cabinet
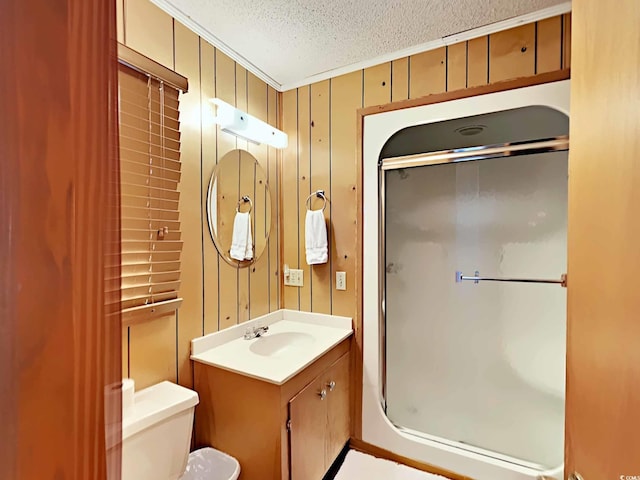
(319, 422)
(248, 418)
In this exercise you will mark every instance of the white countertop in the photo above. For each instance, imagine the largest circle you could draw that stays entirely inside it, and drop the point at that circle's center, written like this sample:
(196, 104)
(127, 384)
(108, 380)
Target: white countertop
(294, 341)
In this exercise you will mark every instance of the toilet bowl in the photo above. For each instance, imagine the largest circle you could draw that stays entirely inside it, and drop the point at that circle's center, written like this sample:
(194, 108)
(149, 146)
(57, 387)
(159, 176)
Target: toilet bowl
(156, 432)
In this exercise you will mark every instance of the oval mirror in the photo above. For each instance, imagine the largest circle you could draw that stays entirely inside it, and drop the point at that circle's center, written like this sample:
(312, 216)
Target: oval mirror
(239, 208)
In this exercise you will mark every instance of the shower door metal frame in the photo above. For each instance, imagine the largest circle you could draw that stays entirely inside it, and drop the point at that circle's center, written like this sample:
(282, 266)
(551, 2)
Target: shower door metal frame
(485, 152)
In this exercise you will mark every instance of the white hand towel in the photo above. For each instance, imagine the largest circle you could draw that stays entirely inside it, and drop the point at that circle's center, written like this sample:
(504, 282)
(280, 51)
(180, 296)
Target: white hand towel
(315, 237)
(242, 241)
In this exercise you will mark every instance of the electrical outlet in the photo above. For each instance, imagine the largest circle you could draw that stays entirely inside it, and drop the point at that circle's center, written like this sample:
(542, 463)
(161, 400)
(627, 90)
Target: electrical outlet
(341, 280)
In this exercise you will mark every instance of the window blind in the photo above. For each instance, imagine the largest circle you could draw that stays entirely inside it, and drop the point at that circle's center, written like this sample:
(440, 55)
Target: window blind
(149, 195)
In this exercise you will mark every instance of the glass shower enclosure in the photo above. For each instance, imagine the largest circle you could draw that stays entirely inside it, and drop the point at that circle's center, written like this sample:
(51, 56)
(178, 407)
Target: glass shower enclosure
(473, 244)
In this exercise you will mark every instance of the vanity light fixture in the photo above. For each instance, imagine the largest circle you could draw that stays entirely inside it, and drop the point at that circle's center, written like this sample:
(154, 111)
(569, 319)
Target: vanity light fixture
(243, 125)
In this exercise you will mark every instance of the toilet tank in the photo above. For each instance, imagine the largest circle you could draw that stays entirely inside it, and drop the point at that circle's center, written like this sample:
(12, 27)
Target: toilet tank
(156, 432)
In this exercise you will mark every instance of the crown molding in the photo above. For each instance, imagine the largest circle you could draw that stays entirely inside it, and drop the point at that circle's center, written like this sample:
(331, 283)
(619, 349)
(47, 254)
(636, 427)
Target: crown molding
(190, 23)
(335, 72)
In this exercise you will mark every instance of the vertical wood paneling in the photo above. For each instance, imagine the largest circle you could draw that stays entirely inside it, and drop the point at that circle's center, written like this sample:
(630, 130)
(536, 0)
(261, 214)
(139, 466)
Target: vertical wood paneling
(259, 271)
(212, 299)
(457, 66)
(187, 58)
(549, 45)
(512, 53)
(566, 40)
(274, 187)
(304, 188)
(289, 194)
(243, 273)
(152, 351)
(125, 352)
(149, 30)
(377, 81)
(346, 98)
(427, 73)
(241, 99)
(400, 79)
(478, 62)
(320, 179)
(228, 277)
(210, 257)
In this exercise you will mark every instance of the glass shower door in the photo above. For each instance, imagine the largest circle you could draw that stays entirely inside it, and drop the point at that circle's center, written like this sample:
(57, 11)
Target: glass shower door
(478, 365)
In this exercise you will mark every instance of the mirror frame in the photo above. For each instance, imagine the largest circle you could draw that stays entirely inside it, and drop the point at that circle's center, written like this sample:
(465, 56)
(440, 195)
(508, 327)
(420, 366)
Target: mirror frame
(220, 248)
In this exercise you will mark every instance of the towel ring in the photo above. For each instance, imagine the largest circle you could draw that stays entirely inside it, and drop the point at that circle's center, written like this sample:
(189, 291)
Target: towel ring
(244, 199)
(319, 194)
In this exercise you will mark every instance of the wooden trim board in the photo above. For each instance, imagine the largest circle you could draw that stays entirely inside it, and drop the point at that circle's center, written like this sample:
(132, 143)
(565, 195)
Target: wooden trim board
(501, 86)
(137, 61)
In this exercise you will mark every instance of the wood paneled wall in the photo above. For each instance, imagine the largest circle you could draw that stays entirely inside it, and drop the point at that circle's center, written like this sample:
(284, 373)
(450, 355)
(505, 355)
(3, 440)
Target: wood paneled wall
(320, 120)
(216, 295)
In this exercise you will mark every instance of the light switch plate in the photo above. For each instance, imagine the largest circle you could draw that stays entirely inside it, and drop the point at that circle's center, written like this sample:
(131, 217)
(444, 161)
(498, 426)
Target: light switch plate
(294, 277)
(341, 280)
(298, 278)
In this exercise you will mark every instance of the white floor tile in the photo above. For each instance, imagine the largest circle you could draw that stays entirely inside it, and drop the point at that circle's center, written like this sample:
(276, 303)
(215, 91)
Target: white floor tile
(360, 466)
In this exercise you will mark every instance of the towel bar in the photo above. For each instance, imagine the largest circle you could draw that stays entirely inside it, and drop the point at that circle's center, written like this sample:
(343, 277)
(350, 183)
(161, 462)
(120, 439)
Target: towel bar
(319, 194)
(477, 278)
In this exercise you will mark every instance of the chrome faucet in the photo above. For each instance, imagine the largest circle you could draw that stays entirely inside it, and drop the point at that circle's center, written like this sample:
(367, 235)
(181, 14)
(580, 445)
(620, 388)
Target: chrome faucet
(255, 332)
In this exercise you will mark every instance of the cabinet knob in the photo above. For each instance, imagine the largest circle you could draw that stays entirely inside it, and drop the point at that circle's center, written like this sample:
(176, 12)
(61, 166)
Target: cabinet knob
(575, 476)
(331, 385)
(322, 394)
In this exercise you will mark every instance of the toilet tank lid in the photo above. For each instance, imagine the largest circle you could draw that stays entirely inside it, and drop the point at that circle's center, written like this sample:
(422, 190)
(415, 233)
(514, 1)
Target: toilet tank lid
(157, 403)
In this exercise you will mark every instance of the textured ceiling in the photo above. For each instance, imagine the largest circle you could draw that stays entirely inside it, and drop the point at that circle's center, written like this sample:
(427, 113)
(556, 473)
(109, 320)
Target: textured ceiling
(290, 40)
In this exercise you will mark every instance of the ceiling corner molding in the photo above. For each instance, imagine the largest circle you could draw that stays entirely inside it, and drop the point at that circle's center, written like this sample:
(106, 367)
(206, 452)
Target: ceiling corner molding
(188, 22)
(434, 44)
(536, 16)
(423, 47)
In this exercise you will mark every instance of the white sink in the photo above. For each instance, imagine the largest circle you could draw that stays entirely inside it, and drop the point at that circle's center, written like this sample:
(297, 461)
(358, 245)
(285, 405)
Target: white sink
(293, 341)
(281, 344)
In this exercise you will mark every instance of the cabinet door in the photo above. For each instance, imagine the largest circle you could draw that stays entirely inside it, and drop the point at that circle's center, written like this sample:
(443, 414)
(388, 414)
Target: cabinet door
(339, 425)
(308, 414)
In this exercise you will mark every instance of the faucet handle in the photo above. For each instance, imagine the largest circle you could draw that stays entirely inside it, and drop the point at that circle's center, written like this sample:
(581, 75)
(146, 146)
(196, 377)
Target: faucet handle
(249, 333)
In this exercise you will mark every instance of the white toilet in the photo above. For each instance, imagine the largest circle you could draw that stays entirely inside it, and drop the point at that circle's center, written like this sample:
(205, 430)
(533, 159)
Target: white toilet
(156, 435)
(156, 432)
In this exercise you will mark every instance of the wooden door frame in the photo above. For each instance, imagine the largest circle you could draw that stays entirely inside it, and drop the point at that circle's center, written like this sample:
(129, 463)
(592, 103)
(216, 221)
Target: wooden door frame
(60, 332)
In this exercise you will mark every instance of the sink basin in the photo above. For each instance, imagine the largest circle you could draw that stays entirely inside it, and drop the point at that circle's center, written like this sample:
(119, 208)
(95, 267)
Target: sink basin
(294, 341)
(281, 344)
